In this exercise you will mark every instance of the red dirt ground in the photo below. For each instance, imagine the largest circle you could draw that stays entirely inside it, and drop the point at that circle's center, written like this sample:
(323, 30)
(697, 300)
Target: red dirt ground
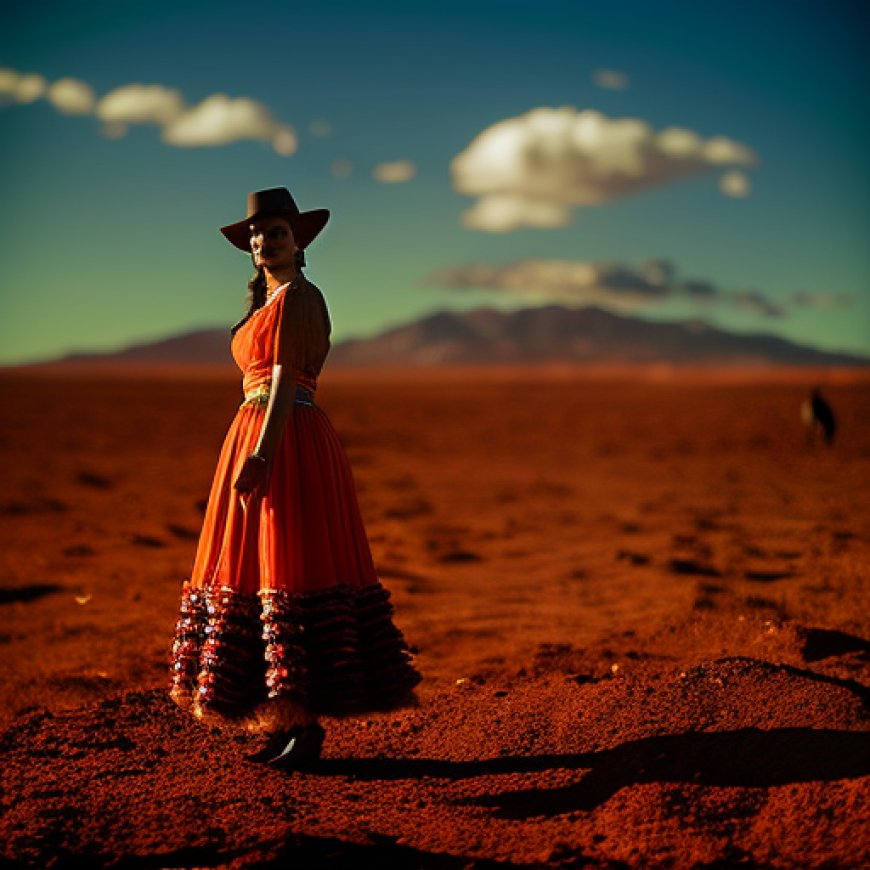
(638, 605)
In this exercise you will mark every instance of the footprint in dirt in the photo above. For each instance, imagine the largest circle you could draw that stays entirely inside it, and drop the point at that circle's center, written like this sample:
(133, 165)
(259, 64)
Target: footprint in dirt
(632, 558)
(693, 568)
(146, 541)
(459, 556)
(77, 550)
(93, 480)
(767, 575)
(32, 507)
(34, 591)
(409, 508)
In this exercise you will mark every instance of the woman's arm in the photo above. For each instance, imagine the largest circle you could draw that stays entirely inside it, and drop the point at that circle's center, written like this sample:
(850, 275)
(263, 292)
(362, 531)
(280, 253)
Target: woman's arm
(282, 397)
(293, 330)
(254, 476)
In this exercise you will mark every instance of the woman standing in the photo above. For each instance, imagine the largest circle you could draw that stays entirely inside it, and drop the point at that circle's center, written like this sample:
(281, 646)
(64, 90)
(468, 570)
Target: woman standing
(283, 617)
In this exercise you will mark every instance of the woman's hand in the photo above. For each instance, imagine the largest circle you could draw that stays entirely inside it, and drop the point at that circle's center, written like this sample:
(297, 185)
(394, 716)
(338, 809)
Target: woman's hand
(254, 477)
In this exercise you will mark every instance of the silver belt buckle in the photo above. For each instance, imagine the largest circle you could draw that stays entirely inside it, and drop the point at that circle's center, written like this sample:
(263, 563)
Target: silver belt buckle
(258, 396)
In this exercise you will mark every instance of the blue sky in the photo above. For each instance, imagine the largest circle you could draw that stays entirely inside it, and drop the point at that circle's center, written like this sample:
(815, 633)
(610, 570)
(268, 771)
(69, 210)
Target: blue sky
(668, 160)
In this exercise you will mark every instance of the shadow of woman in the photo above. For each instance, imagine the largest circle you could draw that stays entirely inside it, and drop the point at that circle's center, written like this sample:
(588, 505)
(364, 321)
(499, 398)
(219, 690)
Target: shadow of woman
(748, 757)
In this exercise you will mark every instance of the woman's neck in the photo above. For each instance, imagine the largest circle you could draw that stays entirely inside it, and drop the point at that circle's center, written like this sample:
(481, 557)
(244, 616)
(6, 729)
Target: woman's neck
(279, 277)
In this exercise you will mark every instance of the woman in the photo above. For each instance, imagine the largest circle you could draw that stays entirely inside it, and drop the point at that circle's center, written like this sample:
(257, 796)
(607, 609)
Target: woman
(283, 617)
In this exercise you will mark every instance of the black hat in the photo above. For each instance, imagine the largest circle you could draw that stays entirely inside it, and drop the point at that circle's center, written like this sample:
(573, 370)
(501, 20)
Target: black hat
(277, 200)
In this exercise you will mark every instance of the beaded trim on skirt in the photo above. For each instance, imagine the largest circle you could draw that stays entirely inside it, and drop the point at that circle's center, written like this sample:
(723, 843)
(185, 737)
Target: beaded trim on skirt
(335, 651)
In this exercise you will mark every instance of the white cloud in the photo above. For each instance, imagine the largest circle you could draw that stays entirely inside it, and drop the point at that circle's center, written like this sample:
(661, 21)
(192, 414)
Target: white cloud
(140, 104)
(735, 183)
(536, 169)
(219, 120)
(572, 281)
(284, 140)
(617, 286)
(72, 97)
(21, 87)
(398, 171)
(499, 213)
(611, 79)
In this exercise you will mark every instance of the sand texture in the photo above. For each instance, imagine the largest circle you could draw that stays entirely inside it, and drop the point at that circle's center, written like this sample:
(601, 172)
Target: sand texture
(639, 608)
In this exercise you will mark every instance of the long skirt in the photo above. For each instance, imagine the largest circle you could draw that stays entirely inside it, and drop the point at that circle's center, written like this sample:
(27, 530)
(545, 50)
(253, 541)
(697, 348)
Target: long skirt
(284, 609)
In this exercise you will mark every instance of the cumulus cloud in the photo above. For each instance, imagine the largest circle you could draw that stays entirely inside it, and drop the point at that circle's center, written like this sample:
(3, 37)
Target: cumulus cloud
(567, 281)
(534, 170)
(735, 183)
(618, 286)
(140, 104)
(72, 97)
(396, 172)
(20, 87)
(610, 79)
(217, 120)
(500, 213)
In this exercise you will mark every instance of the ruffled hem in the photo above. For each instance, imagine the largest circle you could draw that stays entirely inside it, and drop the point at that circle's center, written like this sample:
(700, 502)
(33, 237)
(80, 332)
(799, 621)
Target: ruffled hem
(260, 661)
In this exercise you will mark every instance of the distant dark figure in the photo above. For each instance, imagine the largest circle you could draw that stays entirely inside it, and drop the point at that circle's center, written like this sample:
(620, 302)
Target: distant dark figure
(818, 416)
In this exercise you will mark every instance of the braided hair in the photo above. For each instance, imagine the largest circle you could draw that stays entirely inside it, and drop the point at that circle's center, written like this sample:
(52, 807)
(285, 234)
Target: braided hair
(258, 289)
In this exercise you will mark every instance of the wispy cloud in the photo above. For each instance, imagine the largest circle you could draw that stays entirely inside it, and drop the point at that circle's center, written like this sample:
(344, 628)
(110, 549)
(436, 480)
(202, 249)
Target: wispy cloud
(395, 172)
(217, 120)
(141, 104)
(72, 97)
(534, 170)
(619, 286)
(735, 183)
(16, 87)
(610, 79)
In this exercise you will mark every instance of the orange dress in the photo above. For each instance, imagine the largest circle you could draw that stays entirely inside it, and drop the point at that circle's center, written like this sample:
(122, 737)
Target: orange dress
(284, 600)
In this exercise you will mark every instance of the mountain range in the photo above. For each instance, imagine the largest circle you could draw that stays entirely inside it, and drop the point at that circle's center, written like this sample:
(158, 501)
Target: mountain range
(544, 334)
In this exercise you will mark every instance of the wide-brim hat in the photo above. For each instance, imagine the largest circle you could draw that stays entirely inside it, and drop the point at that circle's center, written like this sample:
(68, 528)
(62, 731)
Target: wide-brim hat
(277, 201)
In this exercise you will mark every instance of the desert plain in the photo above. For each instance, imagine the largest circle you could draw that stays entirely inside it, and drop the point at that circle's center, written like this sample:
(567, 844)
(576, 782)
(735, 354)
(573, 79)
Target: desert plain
(637, 599)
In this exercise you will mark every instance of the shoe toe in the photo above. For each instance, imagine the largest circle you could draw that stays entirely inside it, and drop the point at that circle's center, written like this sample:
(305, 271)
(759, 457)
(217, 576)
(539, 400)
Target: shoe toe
(302, 750)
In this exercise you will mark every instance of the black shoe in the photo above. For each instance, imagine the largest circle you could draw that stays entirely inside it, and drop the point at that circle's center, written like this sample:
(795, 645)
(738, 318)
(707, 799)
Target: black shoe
(276, 743)
(302, 748)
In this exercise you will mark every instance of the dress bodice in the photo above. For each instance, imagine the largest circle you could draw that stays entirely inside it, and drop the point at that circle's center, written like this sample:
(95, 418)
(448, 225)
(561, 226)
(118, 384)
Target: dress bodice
(292, 329)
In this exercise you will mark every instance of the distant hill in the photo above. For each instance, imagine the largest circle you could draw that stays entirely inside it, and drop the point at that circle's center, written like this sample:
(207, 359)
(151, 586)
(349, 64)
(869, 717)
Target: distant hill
(546, 334)
(200, 347)
(554, 333)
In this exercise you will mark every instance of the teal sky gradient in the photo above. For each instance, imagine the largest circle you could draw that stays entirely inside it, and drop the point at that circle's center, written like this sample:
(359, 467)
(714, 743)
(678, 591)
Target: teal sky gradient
(112, 241)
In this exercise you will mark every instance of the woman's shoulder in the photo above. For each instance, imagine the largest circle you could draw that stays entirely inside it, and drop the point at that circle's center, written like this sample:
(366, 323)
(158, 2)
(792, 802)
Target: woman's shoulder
(301, 291)
(305, 299)
(308, 288)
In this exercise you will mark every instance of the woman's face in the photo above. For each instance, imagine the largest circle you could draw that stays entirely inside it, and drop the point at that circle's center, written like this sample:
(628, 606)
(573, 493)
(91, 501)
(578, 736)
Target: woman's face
(272, 242)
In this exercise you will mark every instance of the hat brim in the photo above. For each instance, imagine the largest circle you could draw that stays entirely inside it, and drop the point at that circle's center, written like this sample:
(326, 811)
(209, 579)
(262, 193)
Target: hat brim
(305, 225)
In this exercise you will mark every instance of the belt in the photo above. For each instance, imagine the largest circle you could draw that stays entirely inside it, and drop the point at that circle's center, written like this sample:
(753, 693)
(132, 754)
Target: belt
(259, 396)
